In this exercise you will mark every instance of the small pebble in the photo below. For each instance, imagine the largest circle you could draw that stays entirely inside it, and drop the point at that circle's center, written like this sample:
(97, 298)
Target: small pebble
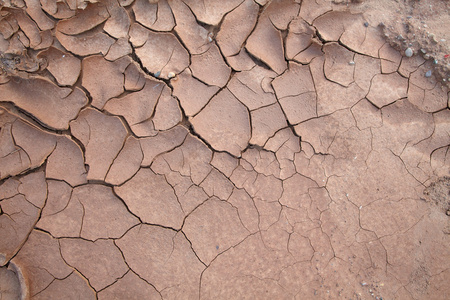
(443, 40)
(409, 17)
(157, 74)
(363, 283)
(433, 37)
(171, 75)
(351, 63)
(428, 73)
(435, 61)
(366, 24)
(423, 51)
(426, 56)
(408, 52)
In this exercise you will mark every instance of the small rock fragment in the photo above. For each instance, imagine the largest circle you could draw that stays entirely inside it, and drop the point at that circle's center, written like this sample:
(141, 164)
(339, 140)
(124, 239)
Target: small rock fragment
(408, 52)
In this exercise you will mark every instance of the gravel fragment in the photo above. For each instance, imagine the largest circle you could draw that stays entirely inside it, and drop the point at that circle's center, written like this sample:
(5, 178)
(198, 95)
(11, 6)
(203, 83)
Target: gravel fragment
(408, 52)
(428, 73)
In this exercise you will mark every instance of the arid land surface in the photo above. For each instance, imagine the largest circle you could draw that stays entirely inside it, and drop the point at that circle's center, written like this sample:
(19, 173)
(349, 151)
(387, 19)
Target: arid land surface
(241, 149)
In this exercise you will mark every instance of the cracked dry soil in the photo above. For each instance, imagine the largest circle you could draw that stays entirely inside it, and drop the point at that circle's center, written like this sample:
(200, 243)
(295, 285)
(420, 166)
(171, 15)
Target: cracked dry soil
(241, 149)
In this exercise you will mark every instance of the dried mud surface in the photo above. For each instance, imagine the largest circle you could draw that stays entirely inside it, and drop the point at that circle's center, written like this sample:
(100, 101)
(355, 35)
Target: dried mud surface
(242, 149)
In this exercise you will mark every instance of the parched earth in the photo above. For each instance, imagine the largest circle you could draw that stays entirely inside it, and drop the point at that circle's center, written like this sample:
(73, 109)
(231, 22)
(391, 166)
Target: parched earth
(237, 149)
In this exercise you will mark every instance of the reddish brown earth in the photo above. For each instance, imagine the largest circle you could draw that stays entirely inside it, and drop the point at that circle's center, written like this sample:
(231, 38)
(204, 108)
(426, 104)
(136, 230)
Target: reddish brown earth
(240, 149)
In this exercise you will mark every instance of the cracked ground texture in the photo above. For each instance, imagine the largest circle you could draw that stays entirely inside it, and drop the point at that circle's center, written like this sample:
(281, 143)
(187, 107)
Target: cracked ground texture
(241, 149)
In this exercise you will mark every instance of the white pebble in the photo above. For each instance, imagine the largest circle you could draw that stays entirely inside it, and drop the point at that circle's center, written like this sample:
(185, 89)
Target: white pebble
(408, 52)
